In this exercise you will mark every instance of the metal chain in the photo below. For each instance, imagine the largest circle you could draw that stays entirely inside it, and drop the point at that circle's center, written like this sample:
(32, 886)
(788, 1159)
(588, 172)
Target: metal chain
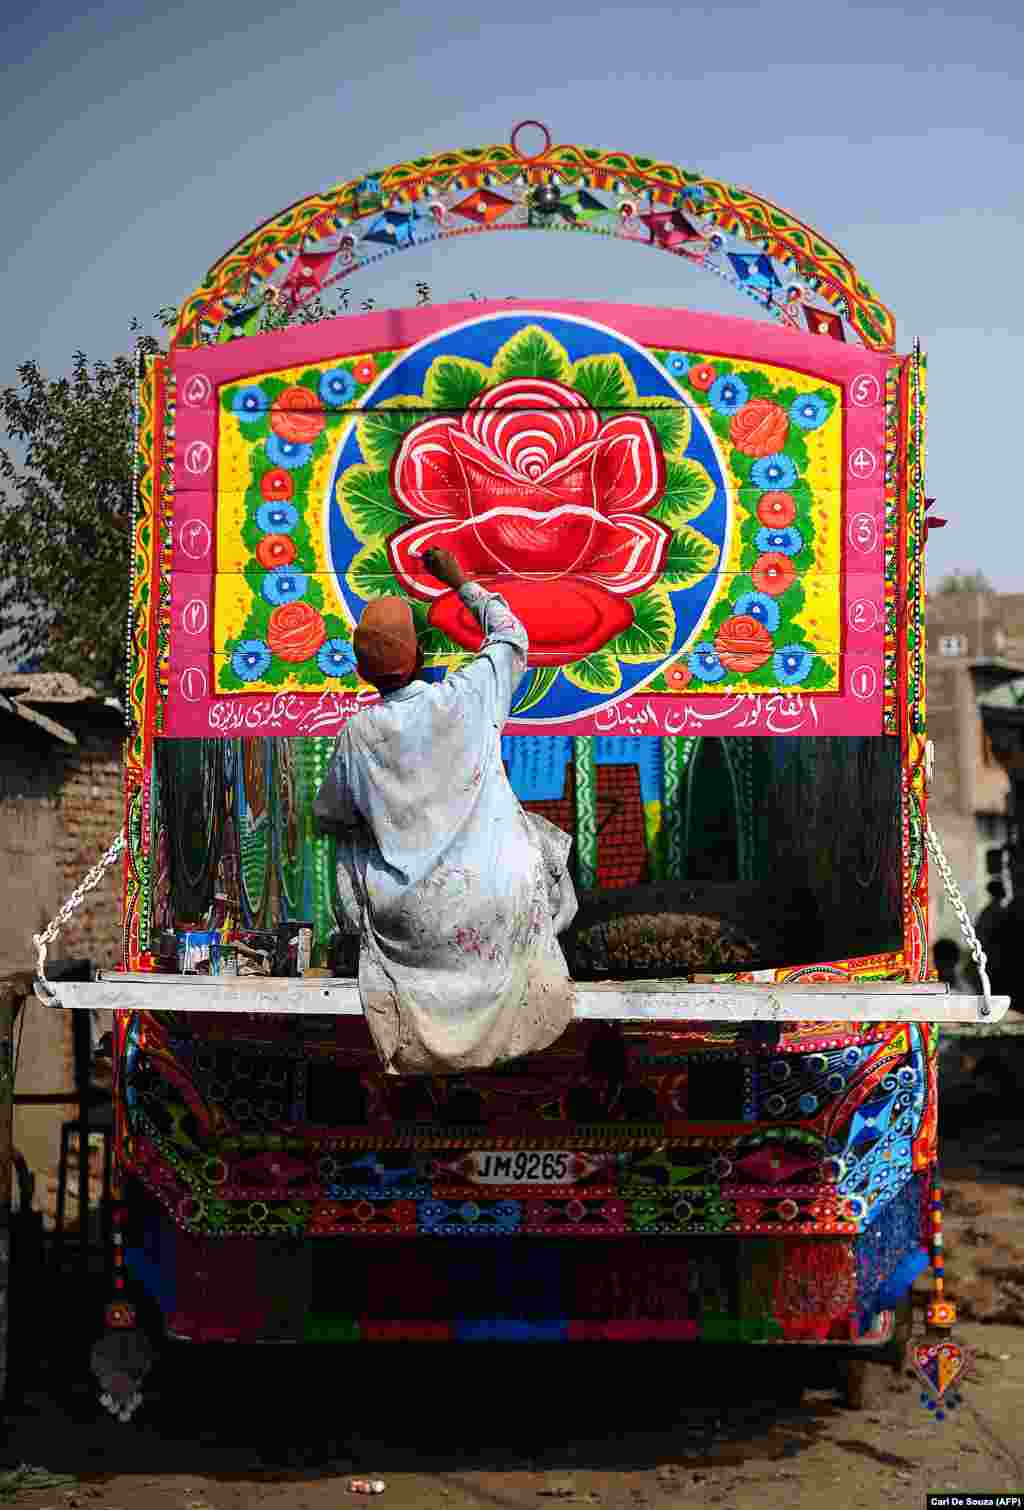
(42, 987)
(956, 900)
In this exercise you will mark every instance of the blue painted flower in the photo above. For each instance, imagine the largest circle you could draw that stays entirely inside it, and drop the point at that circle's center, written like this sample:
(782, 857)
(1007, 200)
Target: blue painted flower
(706, 664)
(793, 664)
(759, 606)
(282, 585)
(728, 394)
(789, 542)
(277, 518)
(336, 658)
(771, 472)
(250, 660)
(337, 387)
(287, 453)
(677, 364)
(808, 411)
(250, 404)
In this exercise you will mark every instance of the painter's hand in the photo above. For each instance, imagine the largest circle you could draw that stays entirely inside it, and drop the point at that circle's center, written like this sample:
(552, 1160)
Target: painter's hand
(443, 565)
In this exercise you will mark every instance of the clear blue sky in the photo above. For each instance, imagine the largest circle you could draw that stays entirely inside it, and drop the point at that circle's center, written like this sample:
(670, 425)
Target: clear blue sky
(141, 140)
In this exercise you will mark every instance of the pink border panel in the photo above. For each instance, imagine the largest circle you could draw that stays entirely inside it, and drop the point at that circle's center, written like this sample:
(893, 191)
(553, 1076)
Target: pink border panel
(201, 371)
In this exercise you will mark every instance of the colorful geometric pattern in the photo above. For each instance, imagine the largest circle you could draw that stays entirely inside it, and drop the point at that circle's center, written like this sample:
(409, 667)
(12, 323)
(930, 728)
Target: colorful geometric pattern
(738, 236)
(241, 1133)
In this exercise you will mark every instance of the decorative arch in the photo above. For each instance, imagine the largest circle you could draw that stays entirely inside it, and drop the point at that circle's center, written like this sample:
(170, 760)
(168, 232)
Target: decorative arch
(793, 272)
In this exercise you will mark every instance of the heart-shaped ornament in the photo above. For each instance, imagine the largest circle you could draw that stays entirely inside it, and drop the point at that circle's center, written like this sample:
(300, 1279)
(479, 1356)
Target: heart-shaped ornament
(940, 1366)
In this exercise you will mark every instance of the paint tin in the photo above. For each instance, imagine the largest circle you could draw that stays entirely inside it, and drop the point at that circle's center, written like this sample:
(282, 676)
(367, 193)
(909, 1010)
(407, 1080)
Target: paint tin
(198, 952)
(294, 948)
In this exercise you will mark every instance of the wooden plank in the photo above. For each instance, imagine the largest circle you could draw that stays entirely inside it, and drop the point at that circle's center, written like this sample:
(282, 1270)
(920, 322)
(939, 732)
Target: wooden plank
(606, 1001)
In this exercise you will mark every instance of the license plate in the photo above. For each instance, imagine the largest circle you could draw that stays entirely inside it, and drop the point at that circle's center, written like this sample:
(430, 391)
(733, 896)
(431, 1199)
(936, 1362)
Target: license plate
(522, 1167)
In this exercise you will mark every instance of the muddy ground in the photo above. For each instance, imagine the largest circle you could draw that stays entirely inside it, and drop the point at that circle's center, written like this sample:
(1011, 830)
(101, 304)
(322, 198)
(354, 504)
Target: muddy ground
(489, 1429)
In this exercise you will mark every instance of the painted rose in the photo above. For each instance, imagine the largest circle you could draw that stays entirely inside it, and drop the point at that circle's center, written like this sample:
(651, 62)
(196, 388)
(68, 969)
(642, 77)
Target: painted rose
(743, 643)
(759, 428)
(295, 632)
(540, 501)
(297, 415)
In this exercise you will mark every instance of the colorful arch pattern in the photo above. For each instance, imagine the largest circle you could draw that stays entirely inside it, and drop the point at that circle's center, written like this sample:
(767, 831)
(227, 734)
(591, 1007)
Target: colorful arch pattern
(732, 232)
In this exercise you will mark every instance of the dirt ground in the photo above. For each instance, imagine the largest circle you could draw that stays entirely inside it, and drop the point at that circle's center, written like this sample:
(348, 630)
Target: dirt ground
(618, 1429)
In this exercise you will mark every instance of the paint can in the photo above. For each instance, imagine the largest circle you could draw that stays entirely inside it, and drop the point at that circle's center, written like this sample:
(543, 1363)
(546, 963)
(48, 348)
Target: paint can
(198, 952)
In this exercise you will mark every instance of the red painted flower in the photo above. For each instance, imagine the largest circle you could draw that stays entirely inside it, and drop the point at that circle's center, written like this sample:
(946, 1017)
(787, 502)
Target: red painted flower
(540, 501)
(276, 484)
(702, 376)
(776, 510)
(743, 643)
(295, 632)
(365, 371)
(773, 573)
(759, 428)
(275, 550)
(297, 415)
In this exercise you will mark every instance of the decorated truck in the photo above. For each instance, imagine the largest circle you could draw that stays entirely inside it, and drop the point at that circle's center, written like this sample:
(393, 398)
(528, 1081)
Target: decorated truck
(713, 529)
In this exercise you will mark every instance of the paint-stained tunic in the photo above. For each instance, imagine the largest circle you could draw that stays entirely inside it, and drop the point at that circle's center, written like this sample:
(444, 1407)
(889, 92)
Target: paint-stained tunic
(456, 892)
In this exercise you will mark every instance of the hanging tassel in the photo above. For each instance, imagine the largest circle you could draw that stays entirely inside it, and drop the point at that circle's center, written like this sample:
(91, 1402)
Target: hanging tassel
(940, 1363)
(123, 1356)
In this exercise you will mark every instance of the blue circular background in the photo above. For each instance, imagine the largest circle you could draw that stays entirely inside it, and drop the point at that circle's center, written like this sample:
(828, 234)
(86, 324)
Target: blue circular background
(480, 341)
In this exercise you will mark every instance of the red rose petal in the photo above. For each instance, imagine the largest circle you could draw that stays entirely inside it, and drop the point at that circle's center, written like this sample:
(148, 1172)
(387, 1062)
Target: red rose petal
(405, 554)
(627, 553)
(426, 478)
(630, 469)
(565, 620)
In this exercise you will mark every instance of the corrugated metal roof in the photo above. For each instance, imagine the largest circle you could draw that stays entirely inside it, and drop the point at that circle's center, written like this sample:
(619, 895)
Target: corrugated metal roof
(38, 722)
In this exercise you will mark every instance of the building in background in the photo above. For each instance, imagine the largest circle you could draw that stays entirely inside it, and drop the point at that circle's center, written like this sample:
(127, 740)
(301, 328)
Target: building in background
(975, 658)
(61, 752)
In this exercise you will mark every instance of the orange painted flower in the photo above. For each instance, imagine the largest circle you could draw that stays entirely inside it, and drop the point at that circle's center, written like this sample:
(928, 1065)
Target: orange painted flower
(773, 573)
(296, 415)
(295, 632)
(702, 376)
(275, 550)
(365, 370)
(760, 428)
(276, 484)
(776, 510)
(743, 643)
(679, 677)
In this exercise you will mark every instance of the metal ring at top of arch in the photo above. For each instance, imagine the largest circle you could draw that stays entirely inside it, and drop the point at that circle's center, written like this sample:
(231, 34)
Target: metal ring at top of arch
(324, 239)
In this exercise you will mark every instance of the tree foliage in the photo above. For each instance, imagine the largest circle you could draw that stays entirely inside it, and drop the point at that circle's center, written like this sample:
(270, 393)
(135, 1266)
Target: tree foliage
(65, 504)
(964, 581)
(65, 517)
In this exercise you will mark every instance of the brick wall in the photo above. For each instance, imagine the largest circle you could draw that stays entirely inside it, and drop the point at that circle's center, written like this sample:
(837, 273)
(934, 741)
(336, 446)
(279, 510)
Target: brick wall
(91, 815)
(53, 829)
